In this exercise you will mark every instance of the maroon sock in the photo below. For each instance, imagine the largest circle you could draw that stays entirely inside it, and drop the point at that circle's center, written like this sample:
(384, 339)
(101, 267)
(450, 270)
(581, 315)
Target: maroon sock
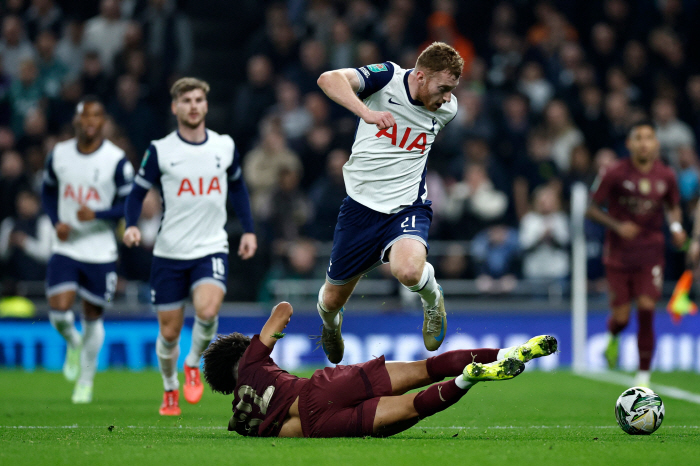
(437, 397)
(452, 363)
(645, 338)
(614, 326)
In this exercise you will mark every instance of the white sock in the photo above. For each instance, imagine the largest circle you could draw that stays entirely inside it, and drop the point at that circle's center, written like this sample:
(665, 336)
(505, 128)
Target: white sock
(643, 378)
(427, 287)
(64, 323)
(331, 319)
(463, 383)
(504, 352)
(93, 338)
(168, 352)
(202, 333)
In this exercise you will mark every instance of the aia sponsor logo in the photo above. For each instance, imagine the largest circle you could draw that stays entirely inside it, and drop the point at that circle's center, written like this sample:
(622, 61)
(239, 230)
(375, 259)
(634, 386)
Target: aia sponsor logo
(419, 142)
(199, 186)
(81, 194)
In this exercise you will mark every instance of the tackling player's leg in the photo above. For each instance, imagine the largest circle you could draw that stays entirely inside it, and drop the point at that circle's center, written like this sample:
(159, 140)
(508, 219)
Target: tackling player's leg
(408, 264)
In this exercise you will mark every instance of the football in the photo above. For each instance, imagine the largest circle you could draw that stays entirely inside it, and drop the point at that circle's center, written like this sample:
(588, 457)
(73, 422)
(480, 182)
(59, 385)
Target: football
(639, 411)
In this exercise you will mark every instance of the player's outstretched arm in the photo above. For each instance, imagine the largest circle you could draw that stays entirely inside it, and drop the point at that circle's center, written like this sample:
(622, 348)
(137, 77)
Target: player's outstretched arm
(341, 86)
(272, 330)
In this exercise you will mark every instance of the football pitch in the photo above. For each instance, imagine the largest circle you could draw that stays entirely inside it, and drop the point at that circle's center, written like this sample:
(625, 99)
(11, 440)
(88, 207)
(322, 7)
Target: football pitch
(537, 418)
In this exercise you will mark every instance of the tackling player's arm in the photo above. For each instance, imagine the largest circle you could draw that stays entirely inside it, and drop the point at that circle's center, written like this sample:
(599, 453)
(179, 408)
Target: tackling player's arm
(148, 175)
(342, 86)
(601, 191)
(123, 177)
(49, 199)
(272, 330)
(239, 199)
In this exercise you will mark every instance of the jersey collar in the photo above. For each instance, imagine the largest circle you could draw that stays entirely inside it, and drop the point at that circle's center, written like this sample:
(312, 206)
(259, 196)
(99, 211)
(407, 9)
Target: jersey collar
(408, 92)
(206, 138)
(88, 153)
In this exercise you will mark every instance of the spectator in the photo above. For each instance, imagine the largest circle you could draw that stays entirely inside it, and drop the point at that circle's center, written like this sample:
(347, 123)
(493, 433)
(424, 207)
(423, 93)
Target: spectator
(617, 114)
(43, 15)
(312, 62)
(562, 133)
(295, 119)
(133, 42)
(533, 84)
(93, 79)
(133, 114)
(671, 132)
(591, 118)
(544, 237)
(313, 150)
(289, 208)
(105, 33)
(454, 263)
(442, 27)
(505, 60)
(471, 120)
(326, 196)
(14, 47)
(342, 48)
(61, 110)
(25, 240)
(262, 166)
(495, 253)
(536, 170)
(252, 100)
(603, 49)
(52, 71)
(511, 139)
(168, 38)
(13, 179)
(5, 84)
(26, 93)
(300, 262)
(70, 48)
(276, 40)
(473, 204)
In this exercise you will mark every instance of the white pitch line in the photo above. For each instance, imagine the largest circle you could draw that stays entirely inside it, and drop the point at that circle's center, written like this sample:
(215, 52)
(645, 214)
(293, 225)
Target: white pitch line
(415, 427)
(628, 381)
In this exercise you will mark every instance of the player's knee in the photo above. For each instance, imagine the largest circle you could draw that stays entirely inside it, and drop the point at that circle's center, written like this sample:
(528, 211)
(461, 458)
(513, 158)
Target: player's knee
(409, 275)
(170, 332)
(333, 301)
(208, 310)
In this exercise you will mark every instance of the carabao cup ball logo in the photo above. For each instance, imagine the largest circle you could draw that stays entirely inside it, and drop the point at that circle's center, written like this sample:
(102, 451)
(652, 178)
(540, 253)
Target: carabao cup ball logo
(639, 411)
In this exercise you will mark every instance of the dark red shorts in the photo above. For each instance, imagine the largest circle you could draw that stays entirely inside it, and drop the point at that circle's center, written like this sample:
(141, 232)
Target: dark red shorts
(627, 285)
(341, 401)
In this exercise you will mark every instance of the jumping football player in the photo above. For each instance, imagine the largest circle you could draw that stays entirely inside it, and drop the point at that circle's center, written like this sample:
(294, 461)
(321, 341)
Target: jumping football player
(85, 183)
(386, 216)
(196, 170)
(637, 191)
(347, 401)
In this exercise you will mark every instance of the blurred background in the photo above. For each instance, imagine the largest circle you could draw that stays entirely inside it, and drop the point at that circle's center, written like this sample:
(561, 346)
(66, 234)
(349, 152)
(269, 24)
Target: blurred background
(548, 92)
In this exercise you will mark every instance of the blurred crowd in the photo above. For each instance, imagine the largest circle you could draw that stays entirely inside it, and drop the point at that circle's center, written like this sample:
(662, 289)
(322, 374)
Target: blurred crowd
(548, 92)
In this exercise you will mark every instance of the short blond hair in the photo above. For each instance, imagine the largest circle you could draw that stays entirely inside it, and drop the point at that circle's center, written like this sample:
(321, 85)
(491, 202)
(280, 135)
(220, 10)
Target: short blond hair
(439, 56)
(184, 85)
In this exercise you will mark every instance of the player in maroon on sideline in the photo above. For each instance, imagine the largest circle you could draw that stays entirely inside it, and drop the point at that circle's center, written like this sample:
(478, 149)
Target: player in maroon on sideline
(638, 191)
(367, 399)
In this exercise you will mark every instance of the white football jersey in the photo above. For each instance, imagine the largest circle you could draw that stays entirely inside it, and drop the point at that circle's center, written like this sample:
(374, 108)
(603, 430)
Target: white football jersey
(387, 168)
(193, 179)
(95, 180)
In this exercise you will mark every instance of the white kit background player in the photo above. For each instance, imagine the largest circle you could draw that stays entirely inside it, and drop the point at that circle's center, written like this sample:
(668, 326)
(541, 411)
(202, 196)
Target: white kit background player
(386, 216)
(85, 184)
(196, 170)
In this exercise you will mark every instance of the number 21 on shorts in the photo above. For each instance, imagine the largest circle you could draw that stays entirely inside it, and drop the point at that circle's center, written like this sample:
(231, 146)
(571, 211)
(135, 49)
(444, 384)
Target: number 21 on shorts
(404, 224)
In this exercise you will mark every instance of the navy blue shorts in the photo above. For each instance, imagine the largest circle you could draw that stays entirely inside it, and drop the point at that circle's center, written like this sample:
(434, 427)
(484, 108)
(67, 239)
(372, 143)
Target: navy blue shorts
(363, 236)
(95, 283)
(172, 279)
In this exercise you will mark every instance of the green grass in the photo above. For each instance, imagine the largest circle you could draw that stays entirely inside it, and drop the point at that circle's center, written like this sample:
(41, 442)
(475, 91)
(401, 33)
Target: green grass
(573, 423)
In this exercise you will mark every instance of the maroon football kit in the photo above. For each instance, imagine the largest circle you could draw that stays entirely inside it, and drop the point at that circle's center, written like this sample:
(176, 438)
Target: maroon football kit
(635, 267)
(335, 401)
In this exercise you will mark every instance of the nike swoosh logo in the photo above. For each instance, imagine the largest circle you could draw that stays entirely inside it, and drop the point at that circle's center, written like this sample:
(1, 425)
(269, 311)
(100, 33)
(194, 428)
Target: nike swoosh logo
(172, 164)
(440, 394)
(392, 102)
(409, 231)
(442, 331)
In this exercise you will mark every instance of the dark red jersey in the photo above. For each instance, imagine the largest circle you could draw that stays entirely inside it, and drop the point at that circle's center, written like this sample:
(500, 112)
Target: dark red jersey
(264, 393)
(637, 197)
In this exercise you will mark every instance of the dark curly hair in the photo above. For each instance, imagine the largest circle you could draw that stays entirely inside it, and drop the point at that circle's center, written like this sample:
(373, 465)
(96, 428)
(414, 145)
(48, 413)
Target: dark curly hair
(219, 359)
